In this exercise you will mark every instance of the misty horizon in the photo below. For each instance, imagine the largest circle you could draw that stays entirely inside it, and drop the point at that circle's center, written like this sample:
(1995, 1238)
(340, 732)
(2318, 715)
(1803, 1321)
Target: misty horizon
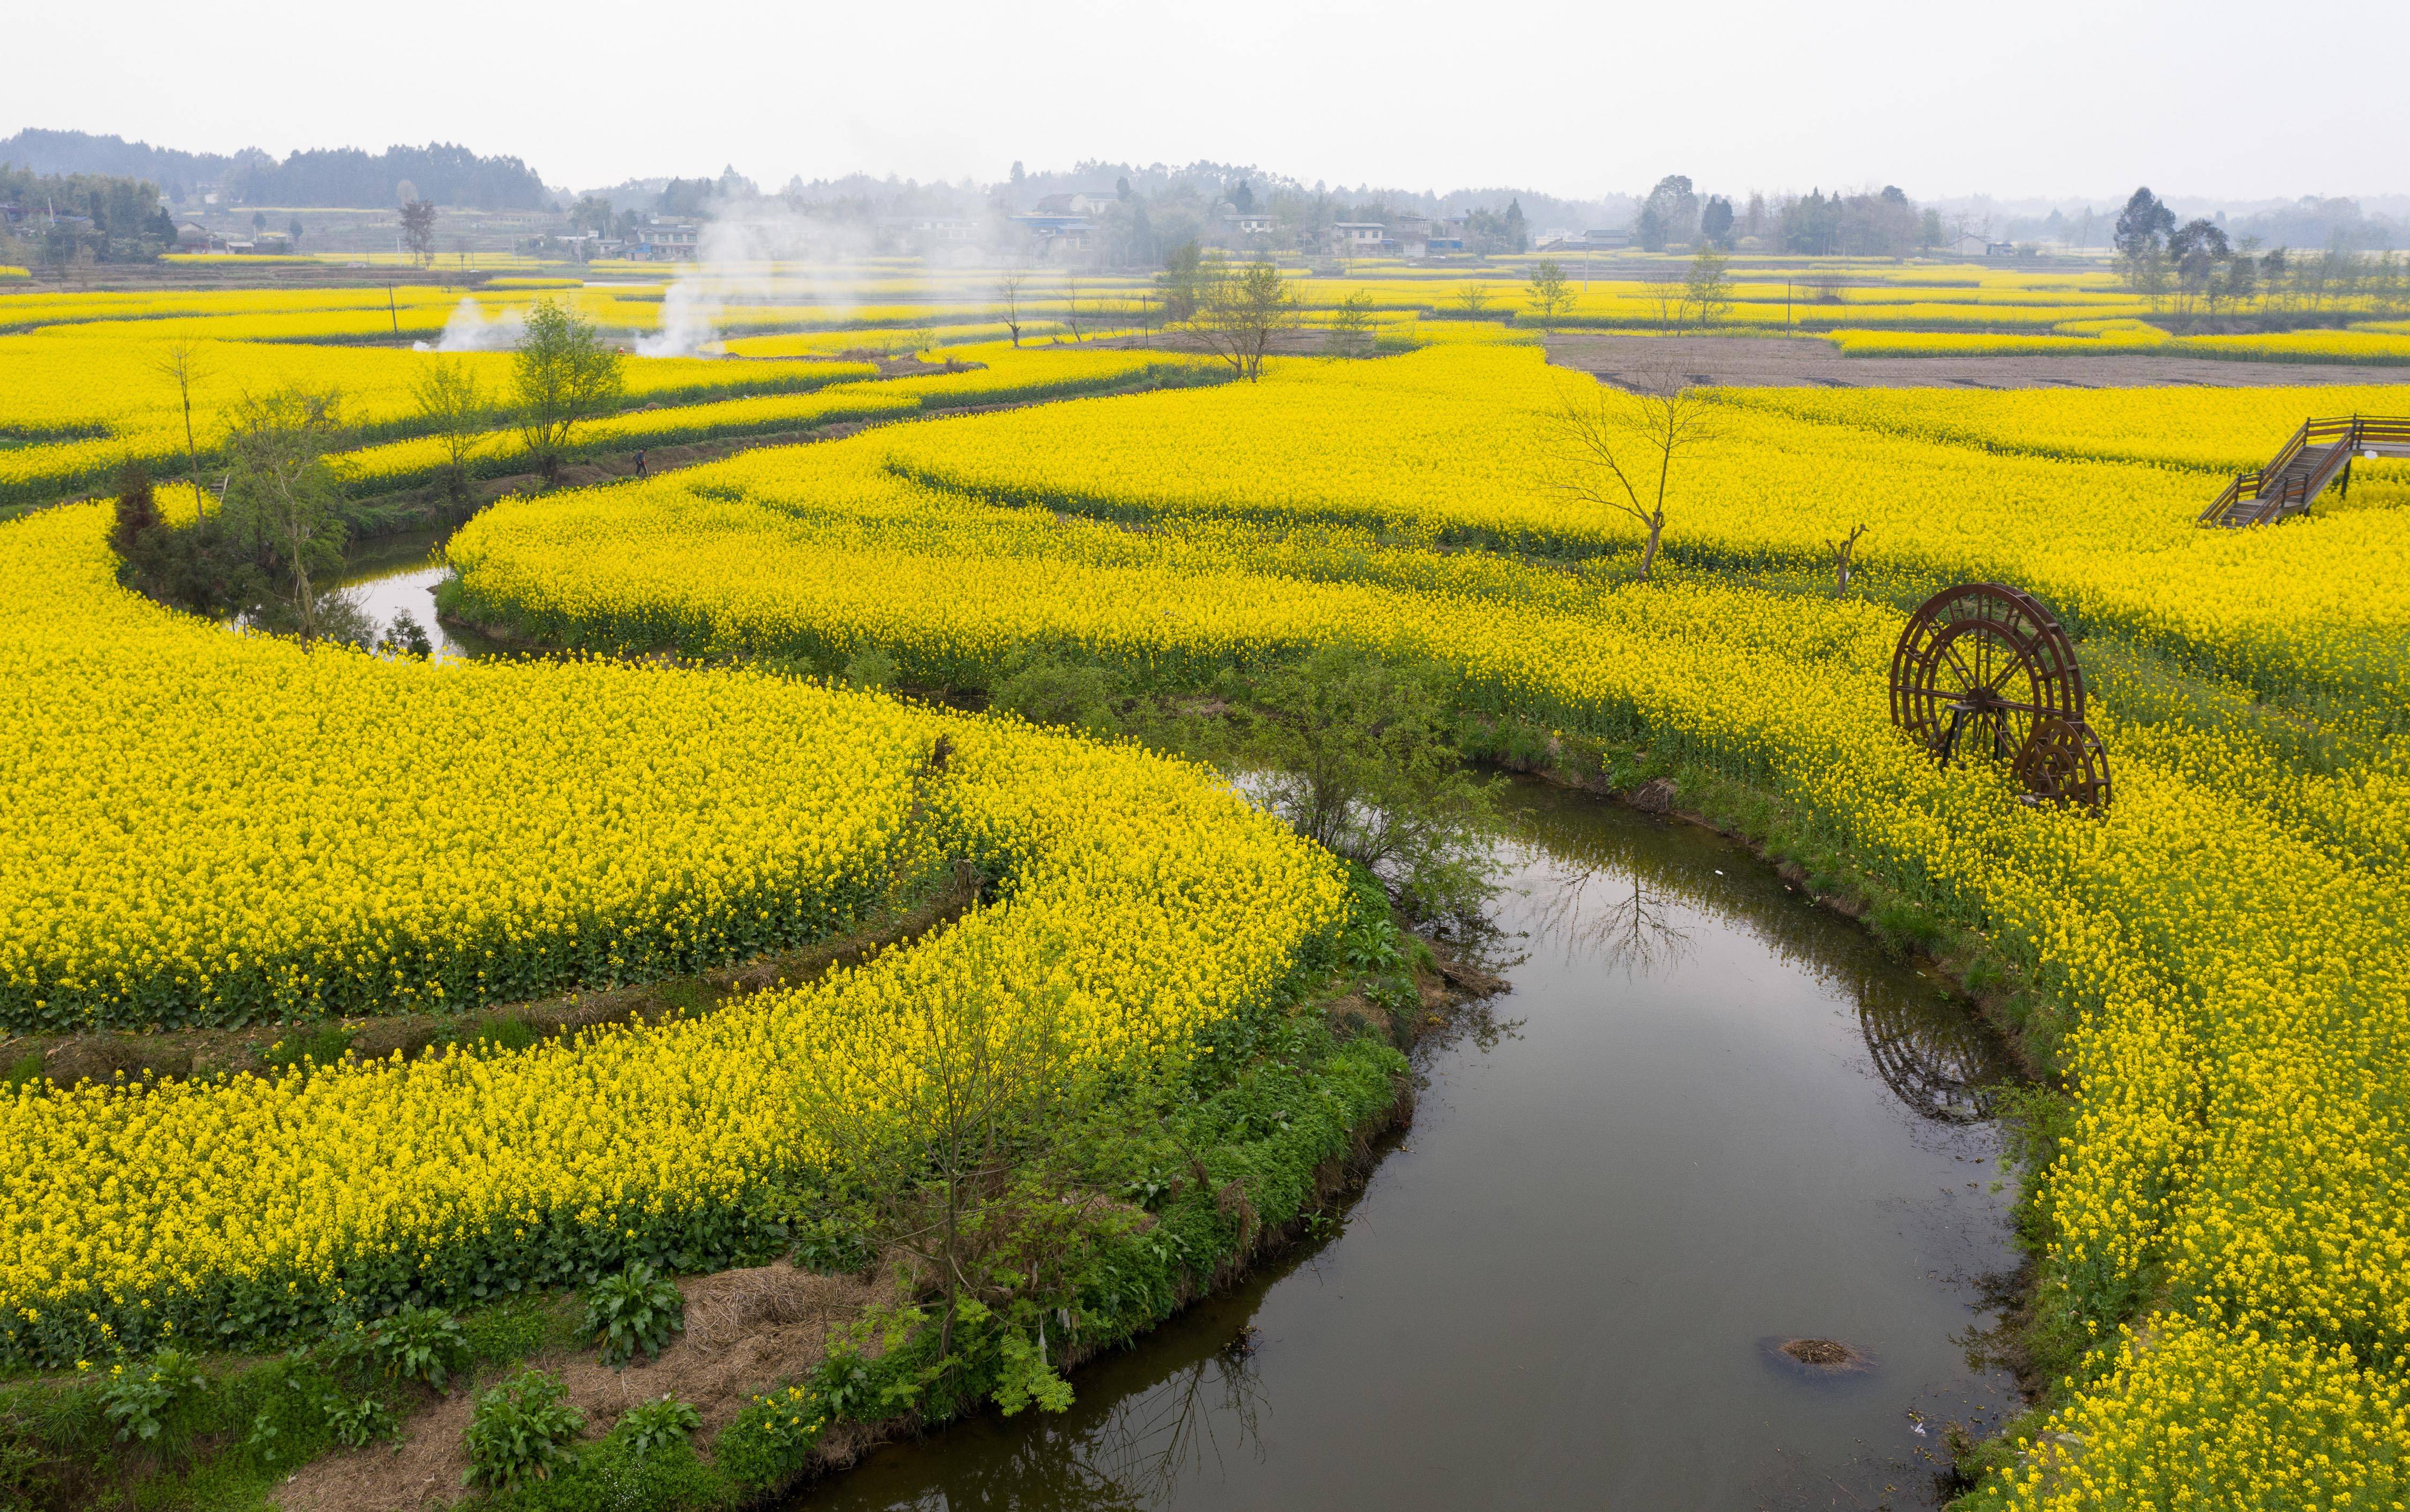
(2070, 106)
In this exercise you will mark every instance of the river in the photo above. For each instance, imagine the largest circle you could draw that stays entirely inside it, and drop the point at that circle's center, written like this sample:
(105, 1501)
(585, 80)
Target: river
(1708, 1118)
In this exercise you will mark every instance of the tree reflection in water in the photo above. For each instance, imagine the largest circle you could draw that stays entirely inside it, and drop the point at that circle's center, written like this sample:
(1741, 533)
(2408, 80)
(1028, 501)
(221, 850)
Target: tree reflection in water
(1192, 1422)
(1182, 1419)
(1626, 894)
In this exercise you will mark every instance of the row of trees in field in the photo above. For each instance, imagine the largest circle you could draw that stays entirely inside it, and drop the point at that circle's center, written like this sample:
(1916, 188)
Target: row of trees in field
(1883, 223)
(1240, 310)
(2195, 268)
(270, 535)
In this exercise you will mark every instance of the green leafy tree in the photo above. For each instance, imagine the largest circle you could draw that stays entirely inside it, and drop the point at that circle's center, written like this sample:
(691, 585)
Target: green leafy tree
(1549, 295)
(1350, 331)
(1709, 290)
(1716, 224)
(1182, 283)
(565, 373)
(418, 229)
(2143, 227)
(284, 498)
(1359, 763)
(1242, 314)
(1669, 216)
(453, 411)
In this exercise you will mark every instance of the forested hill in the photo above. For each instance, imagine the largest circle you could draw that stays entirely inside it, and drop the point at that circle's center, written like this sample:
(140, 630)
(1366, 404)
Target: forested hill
(336, 178)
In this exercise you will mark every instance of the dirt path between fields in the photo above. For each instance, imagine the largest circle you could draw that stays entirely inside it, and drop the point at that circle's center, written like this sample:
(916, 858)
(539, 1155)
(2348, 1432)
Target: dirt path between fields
(1809, 362)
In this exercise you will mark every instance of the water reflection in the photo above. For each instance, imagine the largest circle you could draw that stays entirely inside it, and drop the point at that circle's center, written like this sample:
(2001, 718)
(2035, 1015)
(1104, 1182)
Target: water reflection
(1708, 1114)
(1620, 893)
(400, 575)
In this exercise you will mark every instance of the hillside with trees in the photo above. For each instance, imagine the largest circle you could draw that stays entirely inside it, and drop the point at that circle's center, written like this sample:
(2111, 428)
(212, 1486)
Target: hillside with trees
(344, 177)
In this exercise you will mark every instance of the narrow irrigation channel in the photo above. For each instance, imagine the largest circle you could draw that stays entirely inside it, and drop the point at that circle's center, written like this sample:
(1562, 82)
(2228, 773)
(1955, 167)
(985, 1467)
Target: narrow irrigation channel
(1708, 1119)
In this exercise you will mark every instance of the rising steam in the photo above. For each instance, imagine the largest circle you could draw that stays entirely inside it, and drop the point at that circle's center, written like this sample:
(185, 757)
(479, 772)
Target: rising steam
(470, 329)
(754, 252)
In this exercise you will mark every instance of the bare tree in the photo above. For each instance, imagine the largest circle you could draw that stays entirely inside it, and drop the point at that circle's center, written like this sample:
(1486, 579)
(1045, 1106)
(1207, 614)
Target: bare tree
(1008, 293)
(1242, 314)
(1474, 300)
(1670, 295)
(179, 361)
(1071, 316)
(1550, 296)
(1613, 910)
(1845, 556)
(1617, 448)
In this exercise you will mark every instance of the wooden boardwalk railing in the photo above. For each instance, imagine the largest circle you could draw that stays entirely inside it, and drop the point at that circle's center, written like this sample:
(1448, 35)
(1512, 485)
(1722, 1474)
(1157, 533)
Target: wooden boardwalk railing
(2318, 453)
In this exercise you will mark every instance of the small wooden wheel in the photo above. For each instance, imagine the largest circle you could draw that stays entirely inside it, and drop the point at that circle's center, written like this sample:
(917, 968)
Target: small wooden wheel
(2064, 763)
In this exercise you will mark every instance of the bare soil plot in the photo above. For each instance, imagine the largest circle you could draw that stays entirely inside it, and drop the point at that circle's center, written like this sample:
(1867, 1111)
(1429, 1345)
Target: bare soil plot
(1808, 362)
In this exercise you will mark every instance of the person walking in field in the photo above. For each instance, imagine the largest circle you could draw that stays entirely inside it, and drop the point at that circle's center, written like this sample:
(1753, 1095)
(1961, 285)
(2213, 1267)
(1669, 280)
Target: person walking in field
(640, 463)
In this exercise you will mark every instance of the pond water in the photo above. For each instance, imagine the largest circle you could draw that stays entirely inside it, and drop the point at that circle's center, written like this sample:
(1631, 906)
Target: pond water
(1708, 1118)
(394, 574)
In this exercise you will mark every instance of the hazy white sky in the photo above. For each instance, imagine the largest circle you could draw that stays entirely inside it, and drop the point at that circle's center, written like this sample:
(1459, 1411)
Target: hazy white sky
(2028, 98)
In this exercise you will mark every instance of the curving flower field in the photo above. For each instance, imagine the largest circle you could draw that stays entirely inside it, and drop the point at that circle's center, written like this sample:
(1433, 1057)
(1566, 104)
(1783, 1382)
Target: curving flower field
(2223, 1214)
(201, 829)
(206, 827)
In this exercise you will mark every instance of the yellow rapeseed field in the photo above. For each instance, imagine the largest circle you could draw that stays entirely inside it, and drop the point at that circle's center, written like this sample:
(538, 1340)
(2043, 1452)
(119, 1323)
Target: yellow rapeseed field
(2233, 1181)
(201, 827)
(205, 828)
(76, 408)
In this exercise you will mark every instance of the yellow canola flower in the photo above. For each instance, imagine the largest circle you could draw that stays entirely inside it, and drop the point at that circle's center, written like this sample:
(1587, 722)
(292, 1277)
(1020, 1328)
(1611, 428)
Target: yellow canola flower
(201, 827)
(2226, 939)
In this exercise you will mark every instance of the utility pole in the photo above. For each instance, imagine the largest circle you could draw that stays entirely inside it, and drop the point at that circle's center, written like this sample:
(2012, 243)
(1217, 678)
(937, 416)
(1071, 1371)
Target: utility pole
(392, 313)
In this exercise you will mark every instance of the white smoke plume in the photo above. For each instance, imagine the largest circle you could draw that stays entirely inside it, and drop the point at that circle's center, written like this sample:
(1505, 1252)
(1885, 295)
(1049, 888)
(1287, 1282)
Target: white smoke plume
(470, 329)
(756, 251)
(689, 316)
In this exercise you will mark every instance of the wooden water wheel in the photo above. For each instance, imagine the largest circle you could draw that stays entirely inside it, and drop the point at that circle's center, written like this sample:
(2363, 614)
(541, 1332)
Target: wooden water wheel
(1984, 671)
(2064, 763)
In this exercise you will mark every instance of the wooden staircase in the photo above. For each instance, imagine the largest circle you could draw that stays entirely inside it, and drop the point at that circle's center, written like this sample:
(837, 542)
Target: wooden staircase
(2319, 453)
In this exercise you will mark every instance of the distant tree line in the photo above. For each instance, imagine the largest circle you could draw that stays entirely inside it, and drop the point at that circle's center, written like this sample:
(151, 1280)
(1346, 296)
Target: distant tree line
(86, 218)
(347, 177)
(70, 152)
(1887, 223)
(2196, 268)
(341, 178)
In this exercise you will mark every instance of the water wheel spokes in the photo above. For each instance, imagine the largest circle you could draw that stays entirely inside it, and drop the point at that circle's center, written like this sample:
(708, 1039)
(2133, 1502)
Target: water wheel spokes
(1980, 670)
(2064, 763)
